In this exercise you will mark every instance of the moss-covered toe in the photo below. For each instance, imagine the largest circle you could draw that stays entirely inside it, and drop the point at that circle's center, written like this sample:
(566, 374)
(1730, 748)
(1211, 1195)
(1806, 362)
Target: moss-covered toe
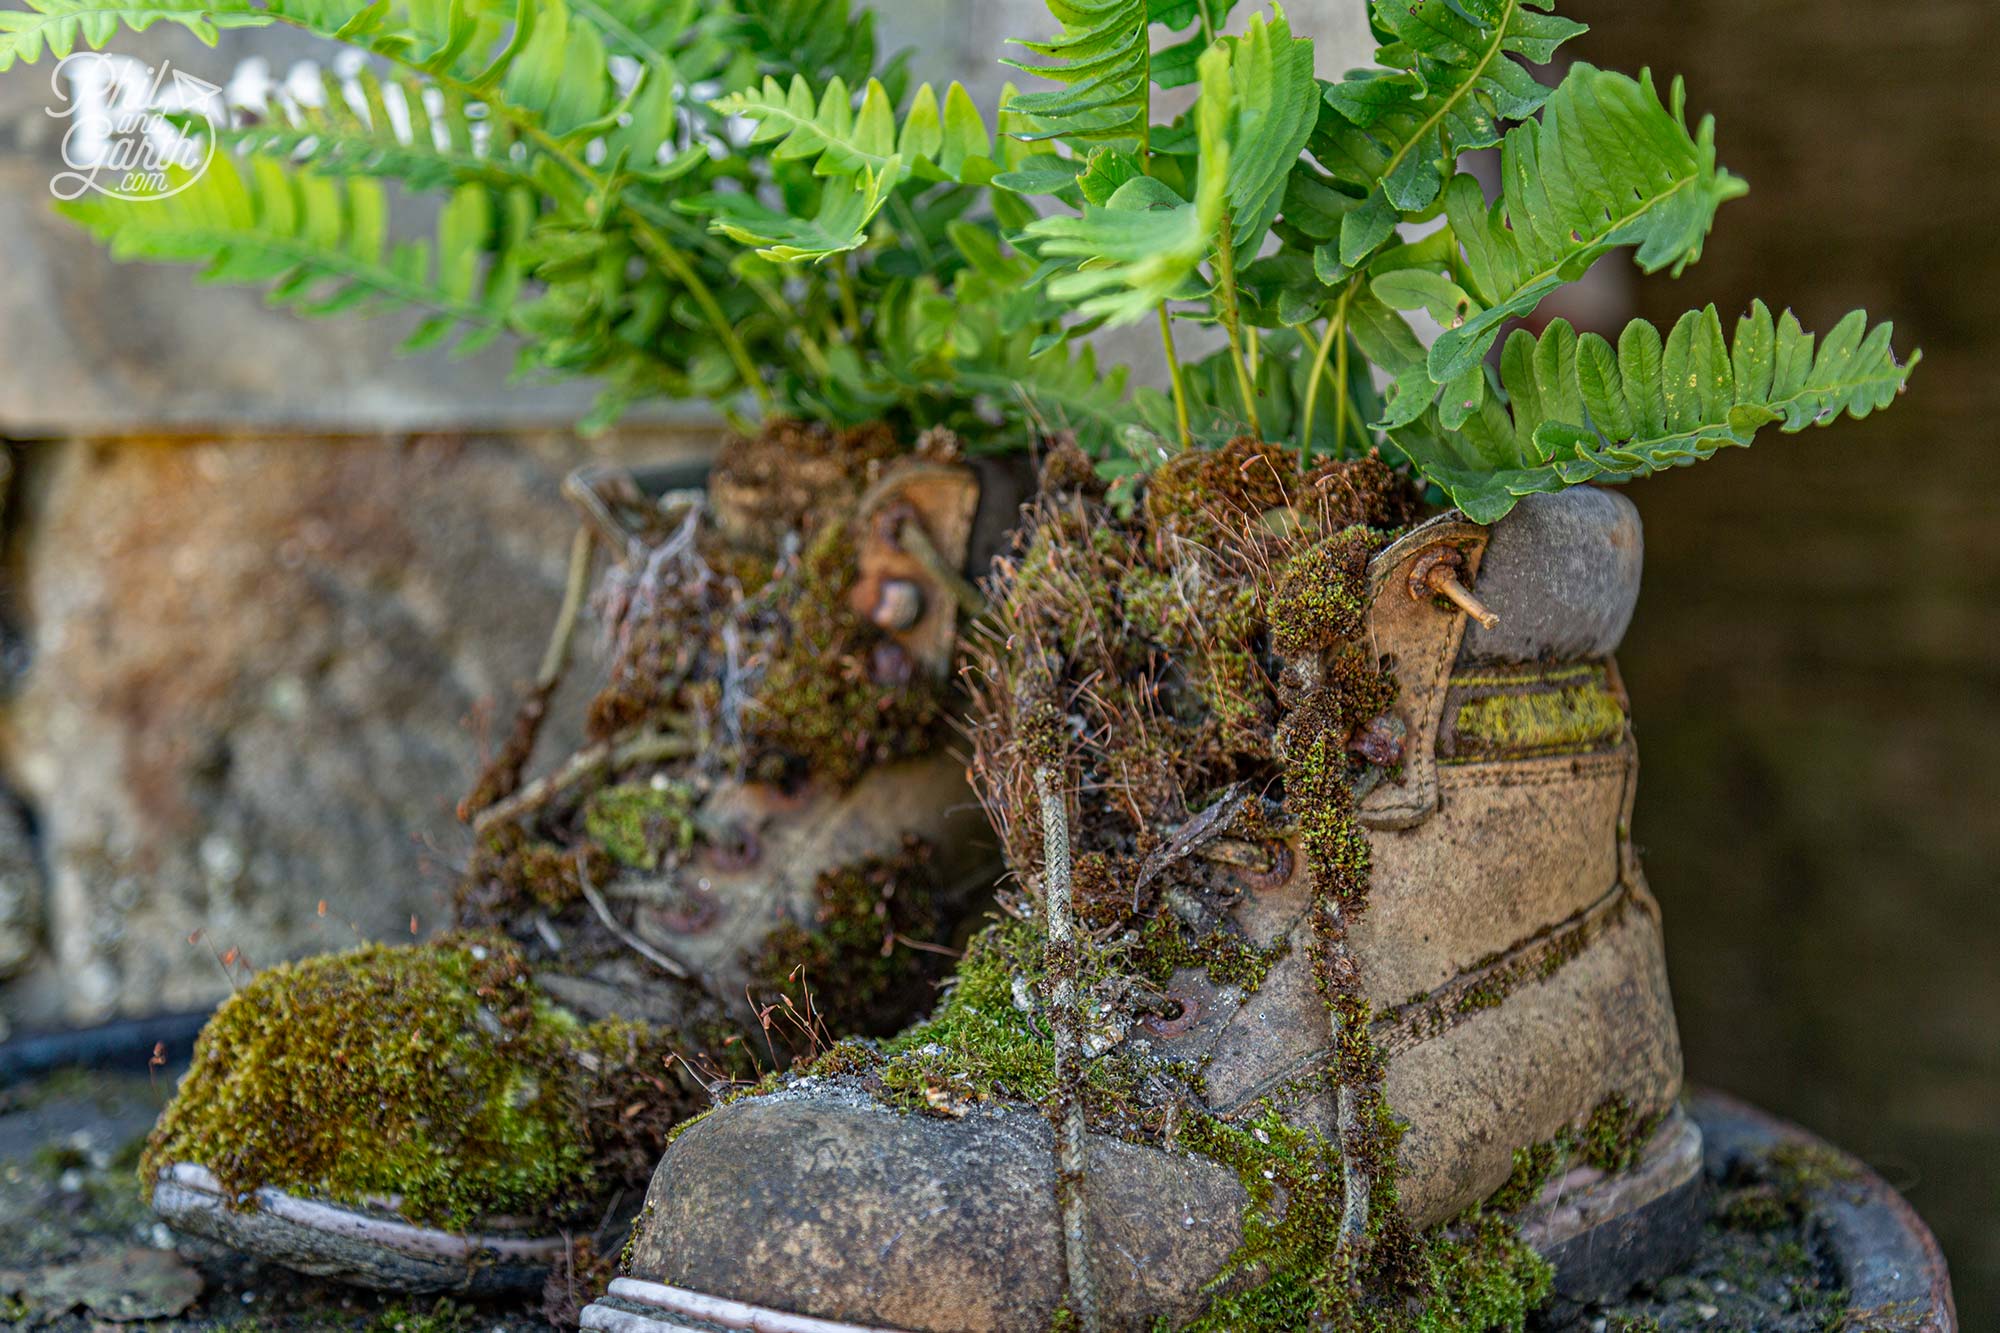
(434, 1081)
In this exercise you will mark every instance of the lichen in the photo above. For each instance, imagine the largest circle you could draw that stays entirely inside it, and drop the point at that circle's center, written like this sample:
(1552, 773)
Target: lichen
(1565, 720)
(437, 1074)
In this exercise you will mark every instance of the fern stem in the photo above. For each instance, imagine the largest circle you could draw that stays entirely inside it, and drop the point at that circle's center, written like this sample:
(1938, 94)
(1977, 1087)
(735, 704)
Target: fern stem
(1232, 321)
(1458, 94)
(669, 257)
(1174, 377)
(1336, 332)
(849, 309)
(1340, 394)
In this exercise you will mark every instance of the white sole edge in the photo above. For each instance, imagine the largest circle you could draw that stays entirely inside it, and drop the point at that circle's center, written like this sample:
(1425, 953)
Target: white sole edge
(330, 1240)
(664, 1309)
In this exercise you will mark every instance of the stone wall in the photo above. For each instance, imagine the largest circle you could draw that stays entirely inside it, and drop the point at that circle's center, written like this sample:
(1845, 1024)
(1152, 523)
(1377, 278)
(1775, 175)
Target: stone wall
(254, 672)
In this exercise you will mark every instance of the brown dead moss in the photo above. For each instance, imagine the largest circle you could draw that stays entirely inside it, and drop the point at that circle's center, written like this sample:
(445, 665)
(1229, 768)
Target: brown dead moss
(790, 478)
(438, 1074)
(512, 871)
(825, 703)
(739, 628)
(863, 958)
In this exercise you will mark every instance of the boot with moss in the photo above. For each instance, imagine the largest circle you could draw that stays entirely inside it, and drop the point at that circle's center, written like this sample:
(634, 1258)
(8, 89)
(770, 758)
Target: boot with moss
(1332, 996)
(763, 846)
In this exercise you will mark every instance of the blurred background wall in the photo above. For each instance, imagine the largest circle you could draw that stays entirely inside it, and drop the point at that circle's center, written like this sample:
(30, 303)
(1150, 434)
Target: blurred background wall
(1815, 667)
(241, 663)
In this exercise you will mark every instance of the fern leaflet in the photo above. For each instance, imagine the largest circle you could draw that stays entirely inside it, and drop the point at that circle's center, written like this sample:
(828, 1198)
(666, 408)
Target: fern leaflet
(1452, 74)
(322, 245)
(1607, 166)
(1103, 57)
(1579, 410)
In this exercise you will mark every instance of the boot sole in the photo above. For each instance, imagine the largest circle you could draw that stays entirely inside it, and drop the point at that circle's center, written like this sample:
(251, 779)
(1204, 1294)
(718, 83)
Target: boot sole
(370, 1249)
(1603, 1233)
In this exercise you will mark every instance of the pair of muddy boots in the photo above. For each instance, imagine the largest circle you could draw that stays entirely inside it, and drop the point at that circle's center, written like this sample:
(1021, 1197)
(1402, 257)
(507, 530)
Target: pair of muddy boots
(1324, 929)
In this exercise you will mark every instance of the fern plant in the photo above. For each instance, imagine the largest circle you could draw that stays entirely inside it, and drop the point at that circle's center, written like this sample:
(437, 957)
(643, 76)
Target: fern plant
(601, 207)
(1315, 220)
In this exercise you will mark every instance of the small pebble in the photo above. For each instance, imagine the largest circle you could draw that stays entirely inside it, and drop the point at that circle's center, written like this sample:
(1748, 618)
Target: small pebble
(70, 1181)
(1707, 1312)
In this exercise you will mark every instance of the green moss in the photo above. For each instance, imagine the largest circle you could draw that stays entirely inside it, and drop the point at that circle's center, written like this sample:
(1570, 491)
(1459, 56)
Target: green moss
(977, 1045)
(1636, 1324)
(1473, 1275)
(1322, 595)
(1572, 719)
(820, 703)
(443, 1317)
(1610, 1139)
(858, 959)
(636, 822)
(437, 1073)
(1228, 959)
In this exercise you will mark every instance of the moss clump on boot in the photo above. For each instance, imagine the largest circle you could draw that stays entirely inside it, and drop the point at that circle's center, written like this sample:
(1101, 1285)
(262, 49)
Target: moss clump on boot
(1610, 1139)
(737, 628)
(637, 822)
(512, 870)
(838, 695)
(858, 959)
(436, 1074)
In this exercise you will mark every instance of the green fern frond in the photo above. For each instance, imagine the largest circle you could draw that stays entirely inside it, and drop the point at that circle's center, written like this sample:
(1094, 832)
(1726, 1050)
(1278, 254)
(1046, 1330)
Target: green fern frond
(1174, 66)
(948, 144)
(847, 209)
(61, 26)
(1579, 410)
(321, 245)
(1274, 106)
(1102, 58)
(1142, 243)
(432, 146)
(1452, 75)
(819, 40)
(1606, 167)
(1145, 242)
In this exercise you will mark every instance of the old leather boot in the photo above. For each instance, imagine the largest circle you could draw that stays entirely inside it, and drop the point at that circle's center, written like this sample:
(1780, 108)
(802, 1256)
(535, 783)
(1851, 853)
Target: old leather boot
(1330, 929)
(761, 847)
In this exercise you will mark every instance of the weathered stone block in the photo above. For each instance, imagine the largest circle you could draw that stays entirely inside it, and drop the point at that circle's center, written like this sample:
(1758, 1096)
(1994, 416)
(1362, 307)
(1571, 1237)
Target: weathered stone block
(254, 670)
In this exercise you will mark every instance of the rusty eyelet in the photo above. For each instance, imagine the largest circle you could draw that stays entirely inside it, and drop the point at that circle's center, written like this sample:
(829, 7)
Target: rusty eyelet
(693, 913)
(733, 849)
(1276, 872)
(1186, 1009)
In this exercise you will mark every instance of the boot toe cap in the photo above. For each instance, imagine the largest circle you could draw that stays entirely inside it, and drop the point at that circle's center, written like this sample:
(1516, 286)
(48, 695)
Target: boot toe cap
(821, 1201)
